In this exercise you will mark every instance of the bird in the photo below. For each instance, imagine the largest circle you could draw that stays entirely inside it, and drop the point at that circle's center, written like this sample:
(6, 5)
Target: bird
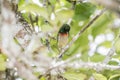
(62, 36)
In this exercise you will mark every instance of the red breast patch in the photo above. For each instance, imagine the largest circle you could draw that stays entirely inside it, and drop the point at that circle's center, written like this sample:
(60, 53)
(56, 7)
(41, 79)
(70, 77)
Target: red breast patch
(63, 34)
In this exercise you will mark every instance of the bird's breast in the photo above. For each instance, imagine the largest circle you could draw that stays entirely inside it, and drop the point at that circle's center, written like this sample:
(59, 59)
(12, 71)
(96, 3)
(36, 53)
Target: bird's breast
(62, 40)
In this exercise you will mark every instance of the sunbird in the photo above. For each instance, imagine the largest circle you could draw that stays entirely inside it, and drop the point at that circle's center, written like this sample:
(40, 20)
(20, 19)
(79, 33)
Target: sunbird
(62, 37)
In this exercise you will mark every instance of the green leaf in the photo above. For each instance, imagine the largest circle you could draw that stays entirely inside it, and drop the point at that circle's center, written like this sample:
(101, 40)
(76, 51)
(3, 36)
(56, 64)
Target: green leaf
(101, 24)
(74, 76)
(21, 2)
(117, 56)
(117, 46)
(2, 62)
(81, 45)
(34, 8)
(53, 2)
(62, 4)
(84, 57)
(84, 10)
(2, 66)
(42, 78)
(83, 40)
(114, 77)
(106, 44)
(113, 63)
(109, 73)
(97, 58)
(47, 28)
(64, 14)
(2, 57)
(99, 76)
(26, 17)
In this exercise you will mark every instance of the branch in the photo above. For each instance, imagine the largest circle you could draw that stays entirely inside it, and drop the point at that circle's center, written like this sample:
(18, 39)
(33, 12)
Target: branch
(111, 51)
(75, 63)
(79, 34)
(109, 55)
(110, 4)
(55, 66)
(92, 65)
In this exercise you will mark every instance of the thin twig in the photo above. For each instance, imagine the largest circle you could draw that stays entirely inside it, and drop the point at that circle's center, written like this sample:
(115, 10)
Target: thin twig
(109, 55)
(111, 51)
(79, 34)
(110, 4)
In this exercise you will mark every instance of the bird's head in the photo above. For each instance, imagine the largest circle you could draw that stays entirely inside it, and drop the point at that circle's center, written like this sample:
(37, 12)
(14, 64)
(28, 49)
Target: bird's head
(64, 29)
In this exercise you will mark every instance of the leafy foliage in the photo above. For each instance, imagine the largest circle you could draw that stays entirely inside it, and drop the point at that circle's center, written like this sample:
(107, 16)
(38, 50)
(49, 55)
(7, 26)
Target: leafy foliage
(52, 14)
(84, 10)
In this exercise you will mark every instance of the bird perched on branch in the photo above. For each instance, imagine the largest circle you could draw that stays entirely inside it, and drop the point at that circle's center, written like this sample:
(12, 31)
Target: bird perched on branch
(62, 37)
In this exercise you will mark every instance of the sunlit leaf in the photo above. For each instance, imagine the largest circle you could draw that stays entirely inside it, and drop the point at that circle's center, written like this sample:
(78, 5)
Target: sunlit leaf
(97, 58)
(114, 77)
(21, 2)
(64, 15)
(2, 62)
(85, 56)
(74, 76)
(113, 63)
(117, 46)
(106, 44)
(53, 2)
(46, 28)
(34, 8)
(2, 66)
(99, 76)
(42, 78)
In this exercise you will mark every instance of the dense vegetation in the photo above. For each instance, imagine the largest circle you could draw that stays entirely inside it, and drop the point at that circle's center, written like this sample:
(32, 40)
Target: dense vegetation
(29, 46)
